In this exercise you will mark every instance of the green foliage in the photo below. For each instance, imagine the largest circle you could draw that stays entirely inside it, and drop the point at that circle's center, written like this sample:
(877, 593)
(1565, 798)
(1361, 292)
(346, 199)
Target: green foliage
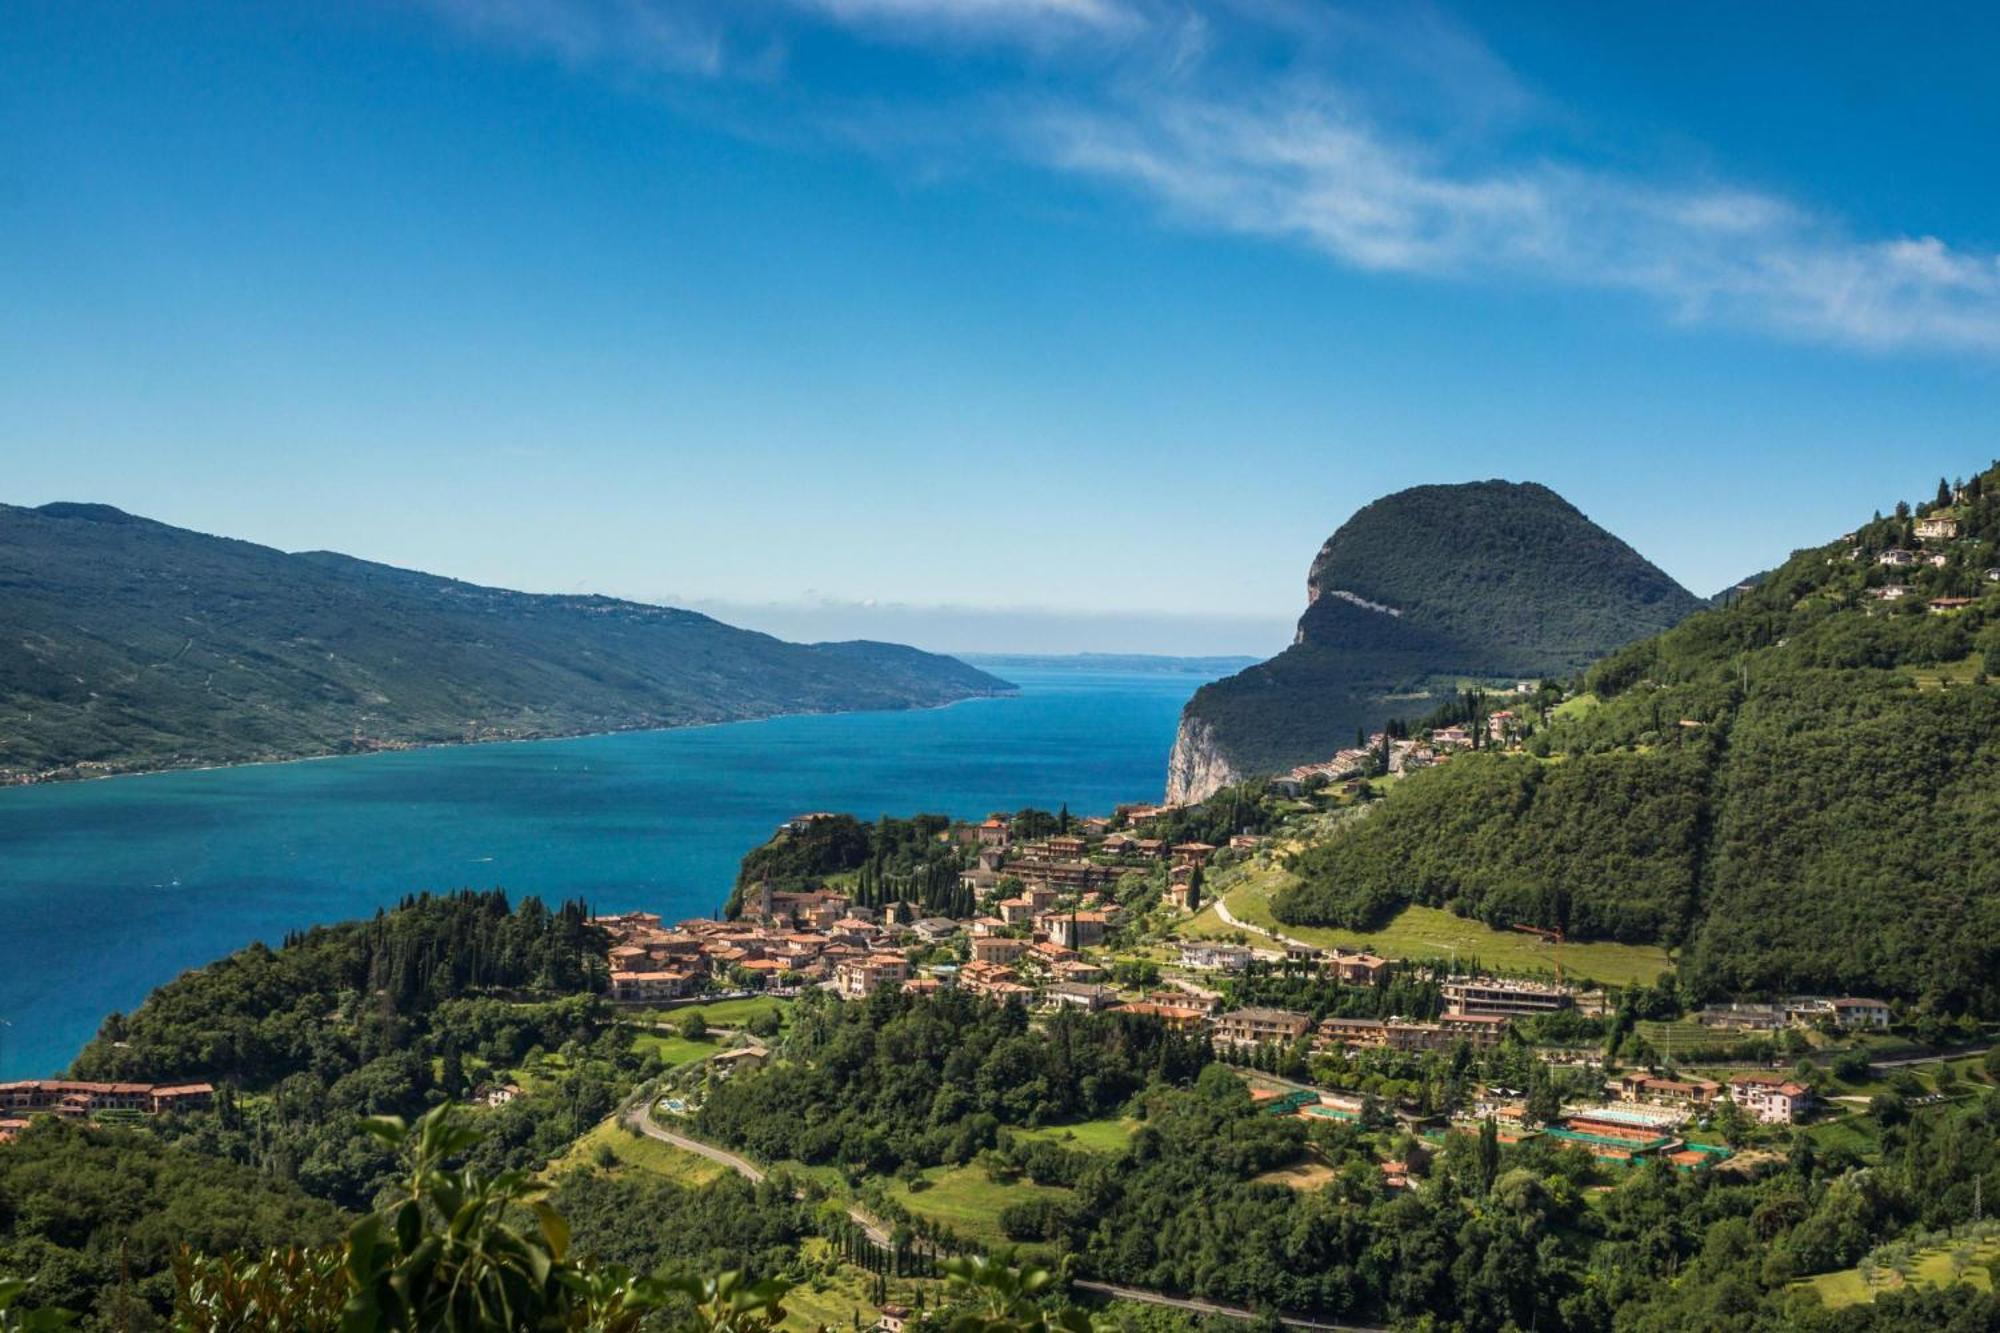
(1603, 846)
(1797, 789)
(651, 1224)
(890, 860)
(453, 1250)
(179, 648)
(930, 1080)
(261, 1013)
(16, 1317)
(990, 1294)
(95, 1216)
(1492, 580)
(347, 1021)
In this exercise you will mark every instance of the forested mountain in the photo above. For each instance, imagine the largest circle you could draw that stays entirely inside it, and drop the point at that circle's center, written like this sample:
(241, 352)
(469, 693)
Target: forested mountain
(1416, 593)
(1799, 789)
(128, 644)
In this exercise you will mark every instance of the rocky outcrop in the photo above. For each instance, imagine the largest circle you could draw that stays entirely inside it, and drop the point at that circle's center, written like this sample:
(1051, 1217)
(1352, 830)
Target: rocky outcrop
(1197, 768)
(1415, 595)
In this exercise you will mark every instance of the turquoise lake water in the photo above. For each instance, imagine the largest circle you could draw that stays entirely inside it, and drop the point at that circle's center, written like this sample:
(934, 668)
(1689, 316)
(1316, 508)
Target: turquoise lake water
(109, 888)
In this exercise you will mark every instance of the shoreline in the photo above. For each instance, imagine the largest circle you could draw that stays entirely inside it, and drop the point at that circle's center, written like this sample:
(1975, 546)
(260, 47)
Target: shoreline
(164, 770)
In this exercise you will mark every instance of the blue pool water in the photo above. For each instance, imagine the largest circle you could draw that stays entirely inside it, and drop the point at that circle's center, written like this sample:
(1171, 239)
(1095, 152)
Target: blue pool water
(109, 888)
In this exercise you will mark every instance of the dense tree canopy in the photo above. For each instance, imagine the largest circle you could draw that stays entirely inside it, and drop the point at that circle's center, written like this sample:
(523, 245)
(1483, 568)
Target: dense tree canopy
(1798, 788)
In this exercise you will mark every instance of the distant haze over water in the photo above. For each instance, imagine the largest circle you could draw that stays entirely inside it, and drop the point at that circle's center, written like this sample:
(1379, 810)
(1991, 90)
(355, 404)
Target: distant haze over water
(110, 888)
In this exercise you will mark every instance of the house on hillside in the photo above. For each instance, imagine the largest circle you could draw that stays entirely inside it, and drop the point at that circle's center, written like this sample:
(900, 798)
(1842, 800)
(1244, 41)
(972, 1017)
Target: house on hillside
(1770, 1100)
(1897, 559)
(1075, 930)
(1937, 527)
(997, 949)
(1248, 1027)
(935, 929)
(1192, 853)
(651, 986)
(1211, 956)
(1176, 1017)
(1080, 995)
(1856, 1012)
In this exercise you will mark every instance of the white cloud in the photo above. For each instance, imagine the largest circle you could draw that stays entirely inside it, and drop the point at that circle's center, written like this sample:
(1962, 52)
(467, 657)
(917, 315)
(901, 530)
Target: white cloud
(663, 38)
(1301, 166)
(980, 13)
(1382, 144)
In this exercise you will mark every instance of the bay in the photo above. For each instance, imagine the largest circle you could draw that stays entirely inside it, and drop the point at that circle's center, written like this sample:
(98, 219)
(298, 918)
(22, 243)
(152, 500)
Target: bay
(109, 888)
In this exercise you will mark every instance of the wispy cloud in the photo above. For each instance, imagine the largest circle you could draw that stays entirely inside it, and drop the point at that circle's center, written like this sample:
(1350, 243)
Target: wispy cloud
(1301, 167)
(628, 34)
(1295, 167)
(1306, 124)
(981, 14)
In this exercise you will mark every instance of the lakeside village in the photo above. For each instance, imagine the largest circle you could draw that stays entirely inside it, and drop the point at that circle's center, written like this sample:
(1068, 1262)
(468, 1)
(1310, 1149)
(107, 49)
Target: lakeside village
(1106, 913)
(1099, 914)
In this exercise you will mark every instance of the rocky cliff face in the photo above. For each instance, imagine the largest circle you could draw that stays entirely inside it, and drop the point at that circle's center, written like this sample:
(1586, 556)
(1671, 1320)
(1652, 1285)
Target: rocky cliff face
(1197, 768)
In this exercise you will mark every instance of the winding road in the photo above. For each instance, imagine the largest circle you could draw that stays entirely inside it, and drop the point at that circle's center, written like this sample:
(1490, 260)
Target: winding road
(1195, 1305)
(640, 1117)
(1221, 905)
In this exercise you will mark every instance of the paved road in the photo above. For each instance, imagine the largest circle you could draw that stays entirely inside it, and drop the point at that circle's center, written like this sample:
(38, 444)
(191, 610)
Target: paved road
(1956, 1053)
(1222, 910)
(1195, 1305)
(640, 1117)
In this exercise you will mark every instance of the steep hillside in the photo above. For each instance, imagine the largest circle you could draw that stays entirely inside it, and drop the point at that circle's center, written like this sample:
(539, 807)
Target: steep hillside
(1801, 789)
(127, 644)
(1416, 593)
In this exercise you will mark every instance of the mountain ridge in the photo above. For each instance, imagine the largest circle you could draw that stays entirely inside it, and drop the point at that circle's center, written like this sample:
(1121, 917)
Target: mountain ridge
(128, 645)
(1417, 592)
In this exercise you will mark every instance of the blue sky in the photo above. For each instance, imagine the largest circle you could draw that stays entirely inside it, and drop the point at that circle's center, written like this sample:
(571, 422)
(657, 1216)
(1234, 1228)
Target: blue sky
(1034, 324)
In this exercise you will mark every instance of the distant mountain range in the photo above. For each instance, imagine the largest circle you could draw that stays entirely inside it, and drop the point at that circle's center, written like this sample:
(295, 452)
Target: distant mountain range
(1798, 790)
(127, 644)
(1133, 663)
(1416, 594)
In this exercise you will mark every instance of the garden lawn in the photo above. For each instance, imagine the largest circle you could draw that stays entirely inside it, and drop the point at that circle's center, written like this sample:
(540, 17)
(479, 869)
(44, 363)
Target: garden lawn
(721, 1013)
(1431, 933)
(637, 1152)
(962, 1198)
(1105, 1136)
(1931, 1268)
(674, 1051)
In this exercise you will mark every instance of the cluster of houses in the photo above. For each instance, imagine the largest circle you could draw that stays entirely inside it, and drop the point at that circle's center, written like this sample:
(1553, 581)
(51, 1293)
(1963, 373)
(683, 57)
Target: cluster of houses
(1477, 1010)
(1029, 947)
(1503, 726)
(1768, 1098)
(1846, 1014)
(80, 1100)
(1091, 859)
(788, 941)
(1940, 526)
(1028, 943)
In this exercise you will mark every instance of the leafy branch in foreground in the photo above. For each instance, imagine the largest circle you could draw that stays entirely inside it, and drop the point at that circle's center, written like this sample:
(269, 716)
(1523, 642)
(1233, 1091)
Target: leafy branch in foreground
(449, 1254)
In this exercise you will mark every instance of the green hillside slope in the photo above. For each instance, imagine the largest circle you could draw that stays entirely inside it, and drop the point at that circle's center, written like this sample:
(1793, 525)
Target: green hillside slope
(1801, 790)
(1416, 593)
(128, 644)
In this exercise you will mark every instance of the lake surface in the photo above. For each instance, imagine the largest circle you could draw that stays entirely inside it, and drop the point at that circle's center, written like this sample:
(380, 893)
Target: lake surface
(109, 888)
